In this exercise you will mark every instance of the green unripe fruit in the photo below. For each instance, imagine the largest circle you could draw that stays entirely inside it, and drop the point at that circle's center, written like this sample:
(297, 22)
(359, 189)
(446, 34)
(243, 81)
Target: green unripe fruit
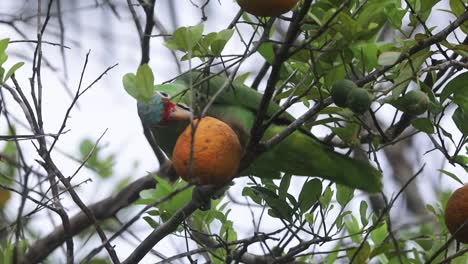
(359, 100)
(340, 91)
(414, 102)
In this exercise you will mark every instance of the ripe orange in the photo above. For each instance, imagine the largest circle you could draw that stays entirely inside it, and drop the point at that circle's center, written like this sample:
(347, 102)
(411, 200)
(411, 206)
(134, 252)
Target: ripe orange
(456, 213)
(216, 153)
(267, 7)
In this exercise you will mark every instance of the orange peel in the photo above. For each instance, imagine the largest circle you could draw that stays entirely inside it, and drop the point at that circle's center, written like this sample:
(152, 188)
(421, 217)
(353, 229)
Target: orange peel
(216, 153)
(267, 8)
(456, 214)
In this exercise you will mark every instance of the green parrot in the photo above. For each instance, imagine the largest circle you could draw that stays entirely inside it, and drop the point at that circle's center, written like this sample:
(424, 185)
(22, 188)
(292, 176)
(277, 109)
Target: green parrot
(168, 113)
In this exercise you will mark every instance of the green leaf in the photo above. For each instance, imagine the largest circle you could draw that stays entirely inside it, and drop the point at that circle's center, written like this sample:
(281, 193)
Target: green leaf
(460, 49)
(227, 231)
(458, 7)
(309, 195)
(219, 43)
(394, 14)
(457, 87)
(425, 243)
(240, 79)
(280, 208)
(151, 221)
(423, 8)
(99, 261)
(379, 234)
(367, 53)
(384, 248)
(3, 58)
(186, 38)
(435, 107)
(363, 212)
(424, 125)
(284, 186)
(309, 218)
(407, 71)
(344, 194)
(8, 170)
(460, 117)
(2, 72)
(331, 258)
(12, 70)
(388, 58)
(169, 206)
(348, 134)
(247, 191)
(86, 146)
(3, 45)
(346, 25)
(463, 259)
(362, 255)
(122, 183)
(338, 73)
(267, 51)
(339, 219)
(462, 159)
(7, 256)
(145, 81)
(102, 166)
(129, 81)
(352, 226)
(326, 197)
(447, 134)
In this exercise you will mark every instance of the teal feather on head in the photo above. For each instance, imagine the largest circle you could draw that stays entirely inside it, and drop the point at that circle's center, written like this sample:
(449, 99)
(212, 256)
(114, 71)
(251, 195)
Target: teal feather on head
(152, 112)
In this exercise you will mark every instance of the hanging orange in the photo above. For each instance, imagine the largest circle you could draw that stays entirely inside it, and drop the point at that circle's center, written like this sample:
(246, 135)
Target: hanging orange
(267, 7)
(216, 153)
(456, 213)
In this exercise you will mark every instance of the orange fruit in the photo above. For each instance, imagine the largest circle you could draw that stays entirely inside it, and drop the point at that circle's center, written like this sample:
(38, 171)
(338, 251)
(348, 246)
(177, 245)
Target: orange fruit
(456, 213)
(267, 7)
(216, 153)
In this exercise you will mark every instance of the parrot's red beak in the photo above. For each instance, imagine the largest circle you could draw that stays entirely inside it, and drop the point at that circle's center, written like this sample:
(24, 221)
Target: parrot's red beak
(179, 114)
(173, 112)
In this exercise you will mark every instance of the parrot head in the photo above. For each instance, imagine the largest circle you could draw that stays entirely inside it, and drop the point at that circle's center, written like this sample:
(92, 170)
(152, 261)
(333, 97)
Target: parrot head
(159, 110)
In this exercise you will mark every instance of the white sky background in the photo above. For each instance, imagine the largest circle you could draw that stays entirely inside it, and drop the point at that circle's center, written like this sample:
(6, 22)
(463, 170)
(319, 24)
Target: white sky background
(107, 105)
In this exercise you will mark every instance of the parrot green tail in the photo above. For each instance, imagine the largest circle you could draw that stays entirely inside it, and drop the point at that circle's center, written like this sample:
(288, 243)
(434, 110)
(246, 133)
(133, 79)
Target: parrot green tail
(302, 155)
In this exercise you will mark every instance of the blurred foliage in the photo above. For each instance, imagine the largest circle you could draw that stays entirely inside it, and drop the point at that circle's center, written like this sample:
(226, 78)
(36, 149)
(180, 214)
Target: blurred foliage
(4, 74)
(91, 153)
(7, 168)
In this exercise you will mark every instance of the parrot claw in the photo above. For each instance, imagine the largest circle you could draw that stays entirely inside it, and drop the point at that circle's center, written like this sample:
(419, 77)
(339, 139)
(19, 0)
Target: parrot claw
(167, 172)
(221, 191)
(202, 194)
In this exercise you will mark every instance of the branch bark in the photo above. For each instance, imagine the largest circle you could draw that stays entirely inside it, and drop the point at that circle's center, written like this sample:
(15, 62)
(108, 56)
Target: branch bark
(103, 209)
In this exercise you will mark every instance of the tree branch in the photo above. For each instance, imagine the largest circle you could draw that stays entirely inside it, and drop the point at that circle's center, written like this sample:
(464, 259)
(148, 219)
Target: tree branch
(103, 209)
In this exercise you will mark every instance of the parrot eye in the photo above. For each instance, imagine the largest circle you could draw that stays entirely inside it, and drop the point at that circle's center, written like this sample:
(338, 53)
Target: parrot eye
(183, 106)
(163, 94)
